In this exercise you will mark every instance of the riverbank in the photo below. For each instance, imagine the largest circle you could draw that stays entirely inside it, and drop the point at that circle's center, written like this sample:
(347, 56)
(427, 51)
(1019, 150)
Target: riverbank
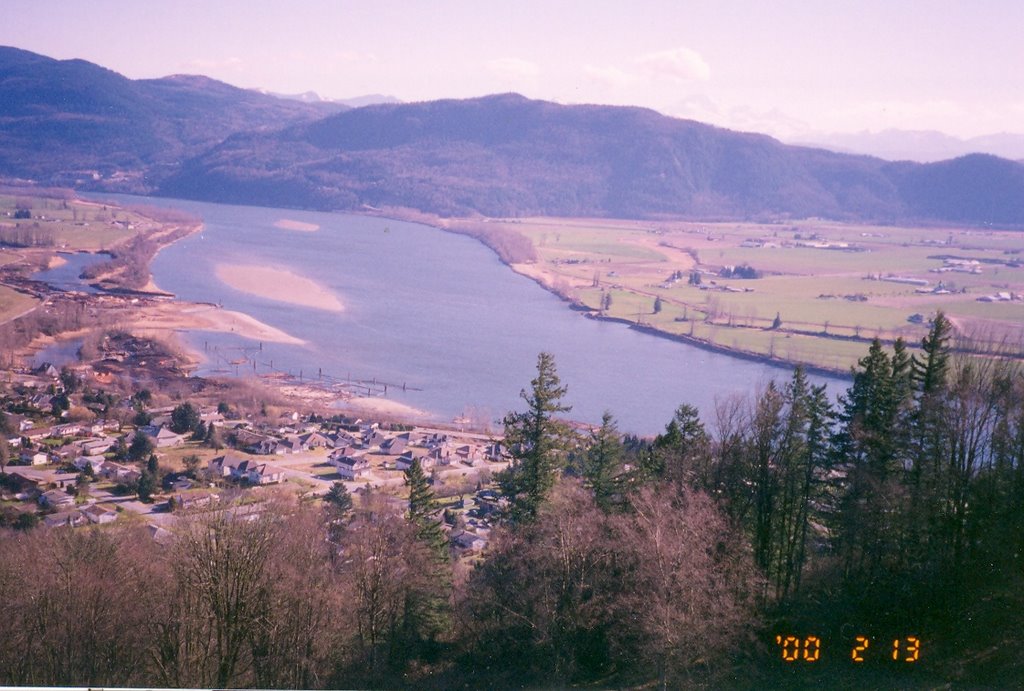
(500, 240)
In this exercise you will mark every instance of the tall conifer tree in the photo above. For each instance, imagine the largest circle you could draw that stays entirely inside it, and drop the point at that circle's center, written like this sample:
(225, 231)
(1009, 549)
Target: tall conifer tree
(537, 442)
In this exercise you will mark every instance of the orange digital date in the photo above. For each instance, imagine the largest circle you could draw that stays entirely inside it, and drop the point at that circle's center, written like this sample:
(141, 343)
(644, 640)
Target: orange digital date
(809, 649)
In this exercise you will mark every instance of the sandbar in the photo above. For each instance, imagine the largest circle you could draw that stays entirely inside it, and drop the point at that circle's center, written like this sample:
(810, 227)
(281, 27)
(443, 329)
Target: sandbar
(184, 316)
(288, 224)
(375, 405)
(278, 284)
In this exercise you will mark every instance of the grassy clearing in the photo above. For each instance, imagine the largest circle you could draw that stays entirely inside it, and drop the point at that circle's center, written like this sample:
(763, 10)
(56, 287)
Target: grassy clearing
(13, 303)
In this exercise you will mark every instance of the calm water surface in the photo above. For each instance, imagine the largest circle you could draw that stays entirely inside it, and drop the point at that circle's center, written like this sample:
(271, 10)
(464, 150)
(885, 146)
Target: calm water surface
(440, 314)
(66, 276)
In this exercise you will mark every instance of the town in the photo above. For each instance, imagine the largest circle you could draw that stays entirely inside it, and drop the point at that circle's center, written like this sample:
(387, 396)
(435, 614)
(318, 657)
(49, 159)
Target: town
(77, 454)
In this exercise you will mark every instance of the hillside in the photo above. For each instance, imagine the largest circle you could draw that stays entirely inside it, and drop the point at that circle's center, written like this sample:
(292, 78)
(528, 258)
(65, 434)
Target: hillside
(509, 156)
(72, 123)
(63, 120)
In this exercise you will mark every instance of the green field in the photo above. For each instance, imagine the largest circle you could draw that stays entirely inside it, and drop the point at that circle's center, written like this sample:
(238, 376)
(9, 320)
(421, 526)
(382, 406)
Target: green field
(13, 303)
(71, 224)
(831, 298)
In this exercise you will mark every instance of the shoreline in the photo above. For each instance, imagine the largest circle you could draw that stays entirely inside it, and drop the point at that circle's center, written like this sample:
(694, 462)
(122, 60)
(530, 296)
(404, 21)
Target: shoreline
(414, 216)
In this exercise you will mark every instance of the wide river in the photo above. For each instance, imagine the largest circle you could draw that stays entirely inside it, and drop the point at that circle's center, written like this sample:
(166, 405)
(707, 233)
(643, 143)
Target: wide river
(440, 314)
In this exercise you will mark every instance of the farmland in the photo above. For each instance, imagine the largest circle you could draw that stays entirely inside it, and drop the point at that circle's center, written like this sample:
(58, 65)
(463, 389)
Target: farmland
(65, 223)
(810, 291)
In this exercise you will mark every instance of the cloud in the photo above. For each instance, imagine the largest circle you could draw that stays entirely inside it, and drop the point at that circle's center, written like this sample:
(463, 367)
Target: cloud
(514, 69)
(609, 76)
(233, 63)
(679, 64)
(773, 121)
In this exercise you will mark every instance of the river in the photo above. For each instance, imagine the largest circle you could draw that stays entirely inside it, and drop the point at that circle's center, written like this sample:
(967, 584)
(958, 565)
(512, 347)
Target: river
(439, 314)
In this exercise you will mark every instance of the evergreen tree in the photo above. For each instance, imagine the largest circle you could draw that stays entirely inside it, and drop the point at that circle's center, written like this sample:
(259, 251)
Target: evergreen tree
(870, 460)
(537, 443)
(427, 614)
(603, 461)
(82, 484)
(213, 438)
(339, 499)
(185, 418)
(680, 454)
(423, 510)
(141, 447)
(146, 486)
(801, 458)
(930, 441)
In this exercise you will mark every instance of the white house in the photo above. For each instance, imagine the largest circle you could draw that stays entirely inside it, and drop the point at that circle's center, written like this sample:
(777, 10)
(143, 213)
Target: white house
(350, 466)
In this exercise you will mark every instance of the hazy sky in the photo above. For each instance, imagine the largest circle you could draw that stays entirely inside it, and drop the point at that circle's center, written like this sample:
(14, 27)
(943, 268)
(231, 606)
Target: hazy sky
(776, 66)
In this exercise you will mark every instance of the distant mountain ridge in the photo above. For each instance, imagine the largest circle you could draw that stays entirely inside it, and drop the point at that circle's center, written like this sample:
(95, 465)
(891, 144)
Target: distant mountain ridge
(923, 146)
(506, 155)
(60, 119)
(502, 155)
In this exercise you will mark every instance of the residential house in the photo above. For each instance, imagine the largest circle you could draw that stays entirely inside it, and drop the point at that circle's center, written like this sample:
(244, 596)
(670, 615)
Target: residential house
(350, 466)
(264, 474)
(81, 462)
(71, 519)
(38, 434)
(227, 465)
(373, 438)
(67, 429)
(196, 500)
(241, 469)
(467, 542)
(162, 436)
(56, 499)
(396, 446)
(291, 444)
(404, 462)
(47, 370)
(96, 447)
(99, 514)
(63, 480)
(342, 438)
(118, 472)
(468, 454)
(315, 440)
(34, 457)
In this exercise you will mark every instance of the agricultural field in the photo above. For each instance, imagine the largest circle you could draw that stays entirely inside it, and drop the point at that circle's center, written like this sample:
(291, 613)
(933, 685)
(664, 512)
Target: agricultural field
(822, 289)
(13, 303)
(66, 224)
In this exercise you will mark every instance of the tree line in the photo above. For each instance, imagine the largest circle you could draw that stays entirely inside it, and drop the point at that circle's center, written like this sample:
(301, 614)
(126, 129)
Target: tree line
(614, 560)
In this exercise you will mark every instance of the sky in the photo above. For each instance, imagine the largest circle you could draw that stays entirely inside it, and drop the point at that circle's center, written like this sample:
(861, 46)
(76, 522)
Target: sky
(787, 68)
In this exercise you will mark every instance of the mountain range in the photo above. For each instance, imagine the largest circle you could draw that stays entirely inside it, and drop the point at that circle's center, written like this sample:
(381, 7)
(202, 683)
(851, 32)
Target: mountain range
(925, 146)
(74, 123)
